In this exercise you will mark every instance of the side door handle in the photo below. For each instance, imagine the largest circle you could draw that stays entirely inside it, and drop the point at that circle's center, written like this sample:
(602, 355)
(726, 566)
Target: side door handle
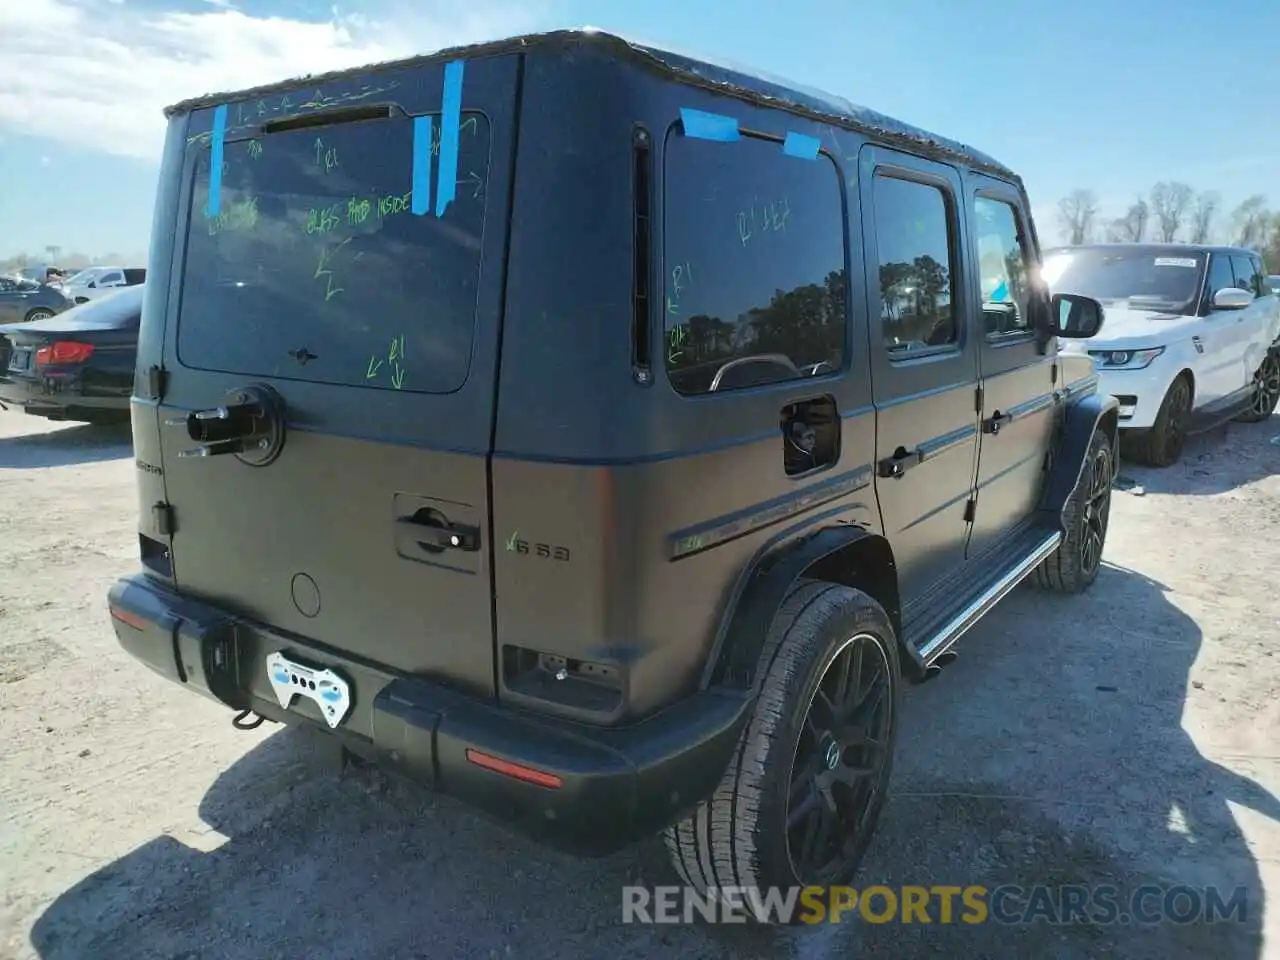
(997, 420)
(892, 468)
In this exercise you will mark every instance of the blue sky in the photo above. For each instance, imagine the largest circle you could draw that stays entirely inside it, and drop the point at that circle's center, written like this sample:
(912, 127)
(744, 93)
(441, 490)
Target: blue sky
(1111, 95)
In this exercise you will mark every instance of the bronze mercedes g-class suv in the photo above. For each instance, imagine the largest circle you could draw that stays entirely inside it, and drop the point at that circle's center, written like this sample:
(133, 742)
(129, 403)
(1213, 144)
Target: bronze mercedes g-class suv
(600, 435)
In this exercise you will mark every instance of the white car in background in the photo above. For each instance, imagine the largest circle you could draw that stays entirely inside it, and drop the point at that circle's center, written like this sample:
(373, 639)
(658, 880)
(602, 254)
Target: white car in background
(1188, 339)
(92, 282)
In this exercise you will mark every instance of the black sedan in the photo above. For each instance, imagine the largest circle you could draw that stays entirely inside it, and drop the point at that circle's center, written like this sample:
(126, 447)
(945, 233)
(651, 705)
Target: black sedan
(77, 365)
(22, 300)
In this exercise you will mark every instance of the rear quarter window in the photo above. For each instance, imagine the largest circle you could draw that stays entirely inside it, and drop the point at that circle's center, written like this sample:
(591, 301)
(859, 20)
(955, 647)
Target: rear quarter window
(754, 265)
(320, 249)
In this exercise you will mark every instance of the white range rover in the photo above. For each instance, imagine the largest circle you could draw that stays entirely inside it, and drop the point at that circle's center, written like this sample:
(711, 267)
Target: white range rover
(1188, 339)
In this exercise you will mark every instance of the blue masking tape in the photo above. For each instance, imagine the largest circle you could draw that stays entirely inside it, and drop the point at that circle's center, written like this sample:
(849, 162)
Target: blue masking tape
(450, 120)
(420, 199)
(215, 161)
(800, 145)
(708, 126)
(1000, 293)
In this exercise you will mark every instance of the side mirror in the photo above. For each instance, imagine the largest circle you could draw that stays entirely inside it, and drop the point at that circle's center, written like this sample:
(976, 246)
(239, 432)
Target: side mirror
(1076, 317)
(1232, 298)
(93, 283)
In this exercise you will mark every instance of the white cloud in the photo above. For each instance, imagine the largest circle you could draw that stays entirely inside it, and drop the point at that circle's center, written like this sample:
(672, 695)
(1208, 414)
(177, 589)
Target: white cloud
(97, 73)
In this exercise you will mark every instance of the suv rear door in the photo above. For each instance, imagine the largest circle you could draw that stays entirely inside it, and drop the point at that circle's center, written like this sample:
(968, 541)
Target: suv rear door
(347, 253)
(923, 365)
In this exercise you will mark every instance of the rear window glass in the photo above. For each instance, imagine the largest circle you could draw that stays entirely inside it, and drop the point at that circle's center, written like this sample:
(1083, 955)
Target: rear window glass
(316, 266)
(754, 280)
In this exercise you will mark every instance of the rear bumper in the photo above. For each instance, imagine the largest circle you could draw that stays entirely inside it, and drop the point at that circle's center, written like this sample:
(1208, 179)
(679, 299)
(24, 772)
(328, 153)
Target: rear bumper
(62, 391)
(615, 785)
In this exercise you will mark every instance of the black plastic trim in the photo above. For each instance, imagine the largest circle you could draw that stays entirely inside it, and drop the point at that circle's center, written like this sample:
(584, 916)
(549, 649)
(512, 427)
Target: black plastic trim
(619, 784)
(1080, 418)
(712, 533)
(765, 585)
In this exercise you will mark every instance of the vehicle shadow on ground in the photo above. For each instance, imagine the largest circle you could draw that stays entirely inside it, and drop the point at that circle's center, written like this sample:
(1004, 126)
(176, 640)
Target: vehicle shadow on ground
(82, 443)
(1225, 458)
(1051, 752)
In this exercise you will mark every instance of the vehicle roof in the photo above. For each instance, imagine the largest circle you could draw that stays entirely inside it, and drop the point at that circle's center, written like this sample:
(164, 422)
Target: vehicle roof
(1156, 248)
(717, 75)
(103, 313)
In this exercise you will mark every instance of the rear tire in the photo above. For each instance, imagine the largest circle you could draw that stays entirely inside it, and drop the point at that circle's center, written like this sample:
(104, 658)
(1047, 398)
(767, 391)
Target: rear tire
(815, 757)
(1266, 390)
(1074, 566)
(1161, 446)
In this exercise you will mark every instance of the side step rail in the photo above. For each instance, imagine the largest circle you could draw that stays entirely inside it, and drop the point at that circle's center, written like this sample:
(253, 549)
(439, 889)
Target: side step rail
(939, 646)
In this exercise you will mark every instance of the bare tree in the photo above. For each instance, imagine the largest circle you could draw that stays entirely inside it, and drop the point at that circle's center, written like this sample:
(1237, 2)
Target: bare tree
(1132, 227)
(1202, 214)
(53, 250)
(1271, 254)
(1076, 214)
(1251, 222)
(1169, 203)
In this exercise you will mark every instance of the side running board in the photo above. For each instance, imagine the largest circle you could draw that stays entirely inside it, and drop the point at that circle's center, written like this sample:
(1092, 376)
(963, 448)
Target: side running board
(971, 613)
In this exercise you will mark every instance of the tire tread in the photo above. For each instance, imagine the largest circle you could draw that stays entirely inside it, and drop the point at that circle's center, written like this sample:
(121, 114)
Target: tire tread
(718, 845)
(1063, 570)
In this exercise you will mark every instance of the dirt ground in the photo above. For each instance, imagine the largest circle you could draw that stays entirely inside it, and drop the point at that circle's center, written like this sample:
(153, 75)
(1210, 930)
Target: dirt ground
(1130, 736)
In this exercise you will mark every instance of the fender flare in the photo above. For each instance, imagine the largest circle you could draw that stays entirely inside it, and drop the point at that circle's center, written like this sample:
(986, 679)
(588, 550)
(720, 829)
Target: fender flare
(1080, 418)
(759, 592)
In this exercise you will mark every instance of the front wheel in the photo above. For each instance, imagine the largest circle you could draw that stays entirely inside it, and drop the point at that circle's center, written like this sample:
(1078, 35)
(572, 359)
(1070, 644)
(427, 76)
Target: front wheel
(1161, 446)
(1073, 567)
(39, 313)
(1266, 390)
(802, 796)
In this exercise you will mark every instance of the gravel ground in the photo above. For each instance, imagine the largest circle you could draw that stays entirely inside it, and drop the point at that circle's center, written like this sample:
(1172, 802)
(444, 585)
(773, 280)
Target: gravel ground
(1130, 736)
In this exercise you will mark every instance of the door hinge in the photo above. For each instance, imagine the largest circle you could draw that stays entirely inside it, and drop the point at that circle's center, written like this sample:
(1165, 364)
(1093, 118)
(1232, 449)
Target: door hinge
(155, 383)
(977, 399)
(969, 509)
(162, 515)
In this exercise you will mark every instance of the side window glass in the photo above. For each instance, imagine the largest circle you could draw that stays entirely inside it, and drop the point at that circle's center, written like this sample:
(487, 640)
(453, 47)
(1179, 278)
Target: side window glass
(1259, 277)
(1220, 275)
(1002, 269)
(754, 261)
(1244, 273)
(914, 240)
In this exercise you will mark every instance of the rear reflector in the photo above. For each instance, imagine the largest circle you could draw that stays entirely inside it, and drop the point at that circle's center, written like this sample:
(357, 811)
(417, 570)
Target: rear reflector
(128, 619)
(63, 351)
(519, 772)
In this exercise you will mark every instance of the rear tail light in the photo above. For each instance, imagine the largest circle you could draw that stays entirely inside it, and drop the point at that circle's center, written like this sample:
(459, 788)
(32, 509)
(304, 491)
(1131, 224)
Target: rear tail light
(517, 771)
(63, 352)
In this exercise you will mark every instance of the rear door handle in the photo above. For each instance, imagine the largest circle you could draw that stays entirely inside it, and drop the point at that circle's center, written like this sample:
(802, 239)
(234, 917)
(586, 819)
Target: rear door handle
(892, 468)
(436, 537)
(993, 423)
